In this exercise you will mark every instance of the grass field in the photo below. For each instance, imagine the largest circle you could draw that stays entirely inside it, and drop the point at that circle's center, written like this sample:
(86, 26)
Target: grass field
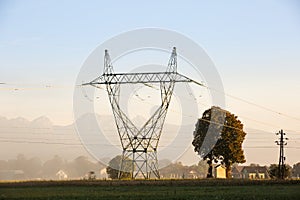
(152, 189)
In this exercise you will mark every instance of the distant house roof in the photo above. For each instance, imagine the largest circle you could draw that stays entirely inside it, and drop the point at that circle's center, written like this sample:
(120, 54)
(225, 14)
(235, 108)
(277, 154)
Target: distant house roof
(237, 169)
(61, 172)
(254, 169)
(220, 166)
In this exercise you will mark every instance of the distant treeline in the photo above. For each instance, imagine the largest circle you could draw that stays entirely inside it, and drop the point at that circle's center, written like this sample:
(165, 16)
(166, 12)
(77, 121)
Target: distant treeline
(23, 168)
(34, 168)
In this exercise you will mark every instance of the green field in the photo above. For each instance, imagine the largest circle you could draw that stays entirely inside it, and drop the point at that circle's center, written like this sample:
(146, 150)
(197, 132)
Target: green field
(151, 189)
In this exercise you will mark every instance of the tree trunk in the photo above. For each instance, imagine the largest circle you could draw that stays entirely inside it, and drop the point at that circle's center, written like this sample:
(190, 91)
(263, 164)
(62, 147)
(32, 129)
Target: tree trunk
(228, 171)
(210, 169)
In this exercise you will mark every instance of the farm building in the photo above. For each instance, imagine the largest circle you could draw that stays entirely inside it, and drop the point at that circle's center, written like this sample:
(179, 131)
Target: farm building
(220, 171)
(250, 172)
(257, 172)
(236, 172)
(192, 174)
(61, 175)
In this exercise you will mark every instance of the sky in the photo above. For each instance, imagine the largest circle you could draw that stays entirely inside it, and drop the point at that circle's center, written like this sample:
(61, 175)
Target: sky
(255, 46)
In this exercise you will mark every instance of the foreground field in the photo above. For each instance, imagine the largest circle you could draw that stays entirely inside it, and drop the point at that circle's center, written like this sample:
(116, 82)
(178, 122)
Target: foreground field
(162, 189)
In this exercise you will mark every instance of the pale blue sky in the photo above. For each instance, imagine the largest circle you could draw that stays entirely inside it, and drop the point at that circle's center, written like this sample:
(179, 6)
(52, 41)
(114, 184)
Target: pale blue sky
(255, 46)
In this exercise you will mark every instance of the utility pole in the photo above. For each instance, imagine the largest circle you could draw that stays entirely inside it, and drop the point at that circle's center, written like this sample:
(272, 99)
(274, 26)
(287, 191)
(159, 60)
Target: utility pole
(281, 142)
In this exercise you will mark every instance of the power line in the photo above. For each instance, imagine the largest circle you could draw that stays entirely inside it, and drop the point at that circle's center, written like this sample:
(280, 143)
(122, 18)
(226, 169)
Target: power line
(268, 124)
(254, 104)
(80, 144)
(174, 111)
(50, 86)
(190, 93)
(39, 142)
(137, 96)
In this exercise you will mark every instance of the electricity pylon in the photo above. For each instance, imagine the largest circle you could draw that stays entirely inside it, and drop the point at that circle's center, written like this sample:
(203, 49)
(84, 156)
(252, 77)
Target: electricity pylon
(140, 145)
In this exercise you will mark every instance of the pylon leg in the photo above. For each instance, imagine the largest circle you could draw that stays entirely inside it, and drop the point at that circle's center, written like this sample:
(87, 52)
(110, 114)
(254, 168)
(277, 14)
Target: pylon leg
(140, 146)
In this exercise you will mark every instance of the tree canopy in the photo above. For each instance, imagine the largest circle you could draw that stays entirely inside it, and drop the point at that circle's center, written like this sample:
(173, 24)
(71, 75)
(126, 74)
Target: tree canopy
(113, 168)
(274, 171)
(218, 137)
(296, 170)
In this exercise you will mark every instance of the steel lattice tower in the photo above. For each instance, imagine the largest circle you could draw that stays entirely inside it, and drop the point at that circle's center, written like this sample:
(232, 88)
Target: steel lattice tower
(140, 145)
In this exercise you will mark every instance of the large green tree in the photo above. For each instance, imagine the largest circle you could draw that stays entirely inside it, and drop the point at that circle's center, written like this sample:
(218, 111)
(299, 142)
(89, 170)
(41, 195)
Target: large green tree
(113, 168)
(274, 171)
(218, 137)
(296, 170)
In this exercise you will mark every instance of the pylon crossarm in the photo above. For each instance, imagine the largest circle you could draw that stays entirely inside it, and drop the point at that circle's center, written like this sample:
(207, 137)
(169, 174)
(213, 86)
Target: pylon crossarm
(125, 78)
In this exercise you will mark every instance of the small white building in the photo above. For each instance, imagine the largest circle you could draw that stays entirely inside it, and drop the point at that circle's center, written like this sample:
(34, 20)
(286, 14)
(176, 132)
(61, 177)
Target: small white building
(192, 174)
(220, 171)
(61, 175)
(103, 174)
